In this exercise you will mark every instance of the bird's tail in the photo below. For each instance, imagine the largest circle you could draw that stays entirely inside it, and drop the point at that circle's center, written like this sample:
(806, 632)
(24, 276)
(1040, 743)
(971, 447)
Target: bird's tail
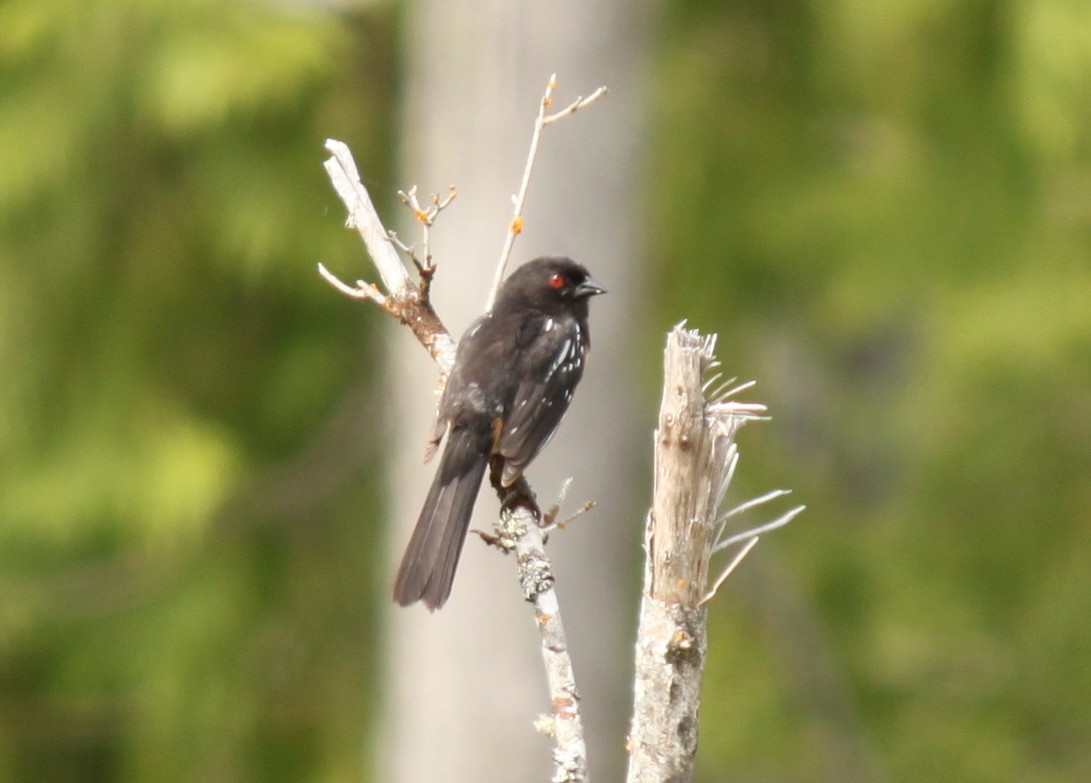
(428, 566)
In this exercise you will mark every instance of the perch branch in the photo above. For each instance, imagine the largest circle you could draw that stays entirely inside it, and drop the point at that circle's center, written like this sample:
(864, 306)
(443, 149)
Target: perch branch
(519, 531)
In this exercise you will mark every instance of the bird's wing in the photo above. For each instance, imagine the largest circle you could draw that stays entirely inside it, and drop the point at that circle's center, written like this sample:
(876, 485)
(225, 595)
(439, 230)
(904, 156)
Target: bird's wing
(553, 368)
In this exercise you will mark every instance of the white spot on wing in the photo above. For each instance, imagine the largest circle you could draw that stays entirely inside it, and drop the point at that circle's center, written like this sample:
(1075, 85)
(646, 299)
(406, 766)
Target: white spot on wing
(568, 359)
(562, 356)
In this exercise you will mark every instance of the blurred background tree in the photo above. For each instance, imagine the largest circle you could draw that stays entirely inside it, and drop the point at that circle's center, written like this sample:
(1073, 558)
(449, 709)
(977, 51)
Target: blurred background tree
(884, 209)
(467, 677)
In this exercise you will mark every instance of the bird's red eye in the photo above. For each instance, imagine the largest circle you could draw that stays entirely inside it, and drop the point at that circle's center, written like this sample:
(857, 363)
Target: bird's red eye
(556, 280)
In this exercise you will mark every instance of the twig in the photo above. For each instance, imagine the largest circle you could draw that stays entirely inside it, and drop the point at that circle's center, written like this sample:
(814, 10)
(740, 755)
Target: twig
(362, 289)
(551, 527)
(738, 558)
(426, 216)
(750, 537)
(515, 226)
(550, 515)
(742, 508)
(759, 500)
(550, 523)
(760, 530)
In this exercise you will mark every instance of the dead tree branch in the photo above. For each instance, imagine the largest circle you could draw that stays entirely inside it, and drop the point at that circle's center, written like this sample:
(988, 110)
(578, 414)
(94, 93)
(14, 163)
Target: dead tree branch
(695, 458)
(407, 302)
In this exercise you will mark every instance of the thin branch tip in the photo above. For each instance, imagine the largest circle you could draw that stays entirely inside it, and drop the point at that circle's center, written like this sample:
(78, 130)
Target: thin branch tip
(739, 557)
(755, 532)
(362, 289)
(515, 225)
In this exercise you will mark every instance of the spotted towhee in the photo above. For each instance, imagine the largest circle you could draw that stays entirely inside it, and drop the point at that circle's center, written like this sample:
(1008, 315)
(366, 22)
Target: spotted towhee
(513, 377)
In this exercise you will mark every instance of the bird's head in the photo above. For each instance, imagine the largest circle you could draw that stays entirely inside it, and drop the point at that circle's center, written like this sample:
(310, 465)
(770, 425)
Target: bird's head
(550, 281)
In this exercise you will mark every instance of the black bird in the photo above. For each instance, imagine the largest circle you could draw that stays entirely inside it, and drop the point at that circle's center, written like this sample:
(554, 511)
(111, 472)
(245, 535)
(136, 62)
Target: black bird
(513, 377)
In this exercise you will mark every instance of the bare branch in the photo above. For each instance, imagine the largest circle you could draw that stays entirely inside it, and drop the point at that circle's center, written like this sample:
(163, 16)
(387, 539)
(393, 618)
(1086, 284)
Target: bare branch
(738, 558)
(751, 538)
(550, 515)
(361, 290)
(426, 216)
(721, 543)
(564, 523)
(550, 522)
(363, 217)
(408, 303)
(515, 226)
(573, 107)
(409, 251)
(519, 529)
(760, 530)
(745, 506)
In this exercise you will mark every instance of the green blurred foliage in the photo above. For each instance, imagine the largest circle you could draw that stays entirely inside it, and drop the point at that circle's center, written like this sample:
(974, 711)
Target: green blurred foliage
(885, 210)
(188, 504)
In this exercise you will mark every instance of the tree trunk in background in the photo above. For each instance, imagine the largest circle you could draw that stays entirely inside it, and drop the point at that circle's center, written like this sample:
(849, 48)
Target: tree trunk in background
(464, 684)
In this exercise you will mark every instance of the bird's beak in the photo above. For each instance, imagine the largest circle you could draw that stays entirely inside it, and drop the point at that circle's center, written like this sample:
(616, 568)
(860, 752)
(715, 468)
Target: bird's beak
(589, 288)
